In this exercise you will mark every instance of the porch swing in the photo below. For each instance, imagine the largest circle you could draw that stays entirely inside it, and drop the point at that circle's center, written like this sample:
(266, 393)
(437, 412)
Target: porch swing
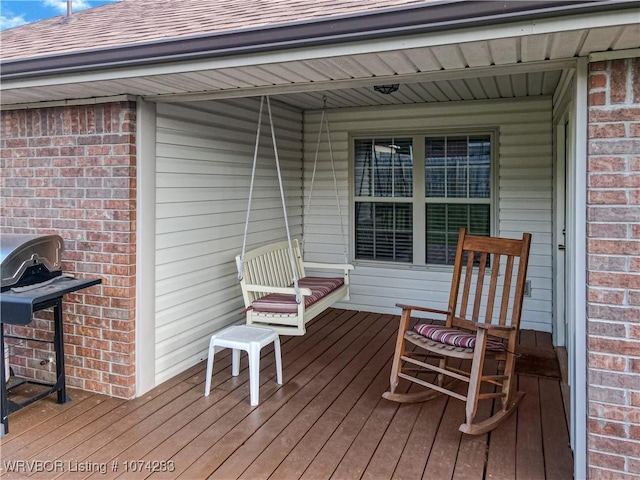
(277, 292)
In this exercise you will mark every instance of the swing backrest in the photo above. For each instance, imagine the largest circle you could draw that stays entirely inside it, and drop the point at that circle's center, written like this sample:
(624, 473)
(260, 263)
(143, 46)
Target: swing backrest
(270, 266)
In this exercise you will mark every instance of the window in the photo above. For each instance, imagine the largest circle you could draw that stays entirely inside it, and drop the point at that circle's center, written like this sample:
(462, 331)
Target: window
(410, 211)
(384, 209)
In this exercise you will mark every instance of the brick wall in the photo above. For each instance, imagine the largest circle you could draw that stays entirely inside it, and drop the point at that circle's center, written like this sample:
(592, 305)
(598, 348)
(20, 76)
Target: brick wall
(613, 276)
(72, 171)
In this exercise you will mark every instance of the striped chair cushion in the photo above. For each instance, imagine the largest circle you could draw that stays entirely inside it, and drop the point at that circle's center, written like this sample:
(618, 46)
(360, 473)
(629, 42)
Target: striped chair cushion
(283, 303)
(454, 337)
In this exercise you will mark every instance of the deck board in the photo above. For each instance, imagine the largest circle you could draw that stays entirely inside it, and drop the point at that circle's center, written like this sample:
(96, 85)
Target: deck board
(328, 421)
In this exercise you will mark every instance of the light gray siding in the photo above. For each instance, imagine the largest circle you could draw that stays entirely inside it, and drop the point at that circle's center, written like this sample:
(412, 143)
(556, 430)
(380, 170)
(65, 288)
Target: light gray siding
(203, 170)
(524, 182)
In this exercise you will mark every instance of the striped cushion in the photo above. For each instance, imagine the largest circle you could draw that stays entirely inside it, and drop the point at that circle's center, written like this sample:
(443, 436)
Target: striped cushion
(454, 337)
(284, 303)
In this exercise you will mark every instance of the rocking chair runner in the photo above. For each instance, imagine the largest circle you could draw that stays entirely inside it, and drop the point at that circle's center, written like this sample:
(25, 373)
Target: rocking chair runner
(480, 324)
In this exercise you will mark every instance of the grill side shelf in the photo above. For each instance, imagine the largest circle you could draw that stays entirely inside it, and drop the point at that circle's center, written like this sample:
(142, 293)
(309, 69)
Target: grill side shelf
(16, 308)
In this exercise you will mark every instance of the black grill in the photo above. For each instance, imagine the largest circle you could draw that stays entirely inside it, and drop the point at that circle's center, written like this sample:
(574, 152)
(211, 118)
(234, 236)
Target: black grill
(32, 280)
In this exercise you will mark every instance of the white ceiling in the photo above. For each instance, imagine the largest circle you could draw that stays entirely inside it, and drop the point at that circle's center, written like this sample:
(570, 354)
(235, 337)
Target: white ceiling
(508, 67)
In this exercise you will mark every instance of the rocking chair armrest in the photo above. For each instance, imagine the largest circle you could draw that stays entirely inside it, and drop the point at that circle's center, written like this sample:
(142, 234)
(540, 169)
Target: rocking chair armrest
(305, 292)
(422, 309)
(332, 266)
(491, 326)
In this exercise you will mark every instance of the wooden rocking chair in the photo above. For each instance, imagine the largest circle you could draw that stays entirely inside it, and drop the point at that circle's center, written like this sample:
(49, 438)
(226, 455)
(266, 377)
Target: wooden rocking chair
(480, 324)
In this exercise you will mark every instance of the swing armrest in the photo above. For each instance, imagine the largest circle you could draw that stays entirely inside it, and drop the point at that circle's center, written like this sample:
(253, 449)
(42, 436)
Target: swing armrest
(305, 292)
(332, 266)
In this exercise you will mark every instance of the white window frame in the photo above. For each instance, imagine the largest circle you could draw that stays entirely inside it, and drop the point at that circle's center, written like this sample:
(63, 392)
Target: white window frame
(419, 200)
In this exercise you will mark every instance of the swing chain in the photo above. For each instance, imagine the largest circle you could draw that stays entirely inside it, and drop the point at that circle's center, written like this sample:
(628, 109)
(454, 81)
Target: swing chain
(284, 207)
(324, 120)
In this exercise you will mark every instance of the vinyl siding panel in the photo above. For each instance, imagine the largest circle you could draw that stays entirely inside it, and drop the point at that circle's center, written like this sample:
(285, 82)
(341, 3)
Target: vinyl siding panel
(524, 196)
(203, 172)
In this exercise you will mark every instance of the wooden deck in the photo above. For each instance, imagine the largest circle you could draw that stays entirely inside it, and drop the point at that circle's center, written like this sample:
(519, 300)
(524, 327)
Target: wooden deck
(328, 420)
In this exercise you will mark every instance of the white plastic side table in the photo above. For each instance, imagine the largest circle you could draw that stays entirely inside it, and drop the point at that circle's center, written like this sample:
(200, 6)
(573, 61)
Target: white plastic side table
(250, 339)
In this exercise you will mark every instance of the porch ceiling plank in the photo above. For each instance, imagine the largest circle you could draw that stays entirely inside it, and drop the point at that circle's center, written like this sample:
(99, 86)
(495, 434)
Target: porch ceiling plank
(28, 95)
(308, 71)
(150, 84)
(422, 92)
(412, 93)
(398, 62)
(449, 56)
(217, 79)
(476, 54)
(504, 51)
(70, 91)
(434, 90)
(462, 89)
(361, 96)
(475, 85)
(344, 98)
(355, 65)
(181, 82)
(292, 74)
(505, 86)
(248, 76)
(628, 38)
(329, 68)
(237, 78)
(399, 97)
(550, 81)
(268, 74)
(337, 84)
(196, 82)
(597, 38)
(446, 87)
(490, 86)
(304, 100)
(567, 44)
(534, 82)
(535, 48)
(423, 59)
(376, 65)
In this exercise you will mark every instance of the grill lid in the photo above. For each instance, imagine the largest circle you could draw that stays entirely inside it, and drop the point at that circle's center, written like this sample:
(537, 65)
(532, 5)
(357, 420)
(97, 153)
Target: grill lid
(29, 255)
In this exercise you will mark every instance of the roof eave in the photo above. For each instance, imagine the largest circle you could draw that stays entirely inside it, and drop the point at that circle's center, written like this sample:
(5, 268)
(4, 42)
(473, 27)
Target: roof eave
(424, 18)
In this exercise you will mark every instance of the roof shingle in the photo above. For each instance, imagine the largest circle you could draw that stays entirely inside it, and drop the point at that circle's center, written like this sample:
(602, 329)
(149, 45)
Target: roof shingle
(129, 22)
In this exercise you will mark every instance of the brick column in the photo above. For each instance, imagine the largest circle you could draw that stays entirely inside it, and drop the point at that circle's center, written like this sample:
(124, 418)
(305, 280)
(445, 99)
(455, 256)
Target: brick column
(71, 171)
(613, 250)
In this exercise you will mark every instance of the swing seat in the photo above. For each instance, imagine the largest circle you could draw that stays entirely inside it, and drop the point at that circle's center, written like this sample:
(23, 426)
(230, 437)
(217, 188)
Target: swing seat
(269, 295)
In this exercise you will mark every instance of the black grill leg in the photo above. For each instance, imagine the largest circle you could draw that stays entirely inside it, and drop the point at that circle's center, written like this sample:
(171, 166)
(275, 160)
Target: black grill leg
(58, 344)
(4, 404)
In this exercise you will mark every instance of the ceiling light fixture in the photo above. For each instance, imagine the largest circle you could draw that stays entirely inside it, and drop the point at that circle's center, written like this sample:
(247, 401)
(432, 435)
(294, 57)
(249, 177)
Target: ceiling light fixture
(386, 89)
